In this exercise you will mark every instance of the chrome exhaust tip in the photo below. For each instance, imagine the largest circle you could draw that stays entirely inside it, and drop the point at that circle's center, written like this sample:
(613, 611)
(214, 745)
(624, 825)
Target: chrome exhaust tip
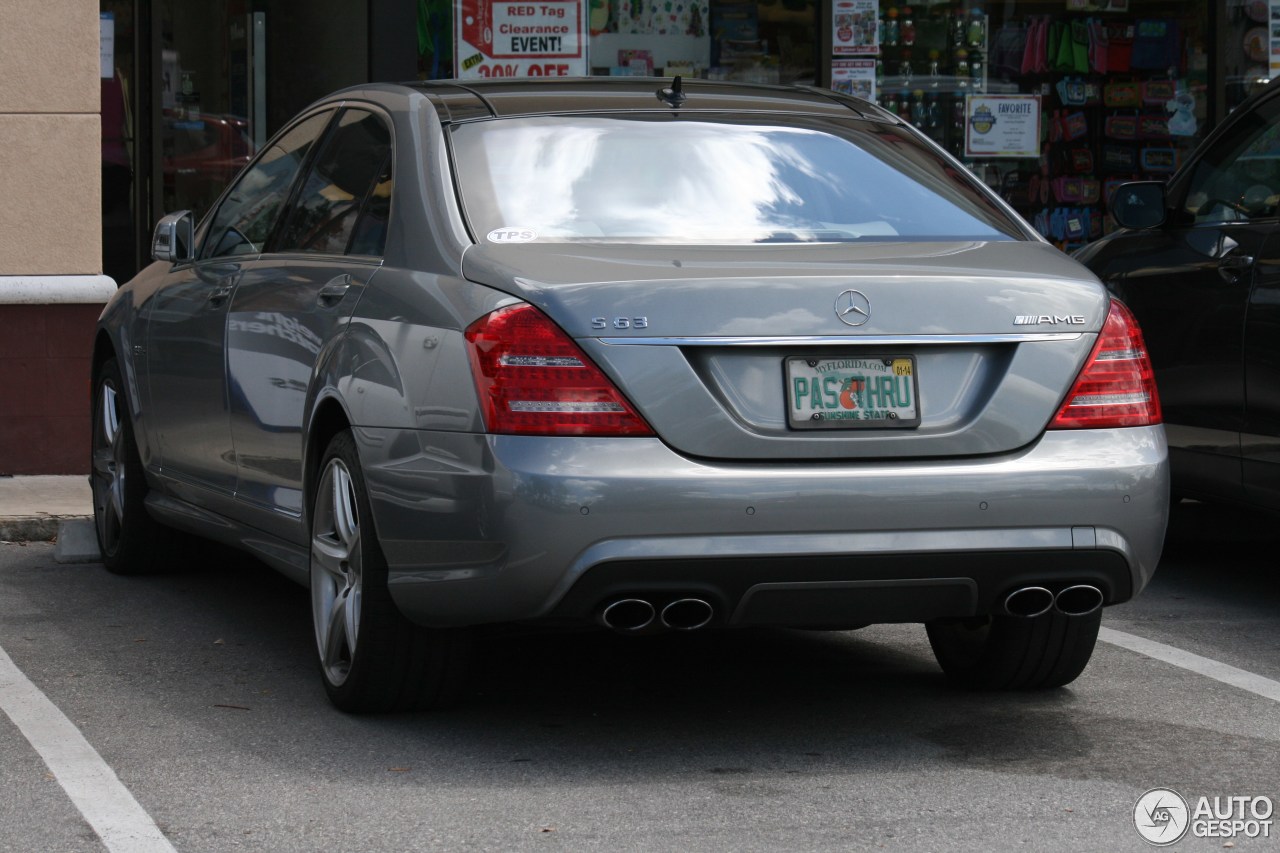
(687, 614)
(627, 615)
(1079, 600)
(1028, 602)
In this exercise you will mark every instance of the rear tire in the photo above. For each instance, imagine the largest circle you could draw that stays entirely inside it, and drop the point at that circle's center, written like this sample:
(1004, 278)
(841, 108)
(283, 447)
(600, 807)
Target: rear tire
(1012, 652)
(131, 541)
(371, 657)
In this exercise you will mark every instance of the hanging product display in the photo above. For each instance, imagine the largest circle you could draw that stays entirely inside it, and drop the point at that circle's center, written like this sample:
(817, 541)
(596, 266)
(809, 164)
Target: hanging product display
(1052, 103)
(930, 57)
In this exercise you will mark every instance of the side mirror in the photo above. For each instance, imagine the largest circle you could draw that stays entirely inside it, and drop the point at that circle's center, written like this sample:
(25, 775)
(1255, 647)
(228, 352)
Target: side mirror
(174, 239)
(1140, 204)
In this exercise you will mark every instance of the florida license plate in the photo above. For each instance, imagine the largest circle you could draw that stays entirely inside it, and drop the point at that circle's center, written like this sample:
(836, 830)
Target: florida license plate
(852, 393)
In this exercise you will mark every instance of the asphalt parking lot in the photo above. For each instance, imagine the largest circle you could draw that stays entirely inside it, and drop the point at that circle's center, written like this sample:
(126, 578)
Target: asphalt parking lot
(197, 689)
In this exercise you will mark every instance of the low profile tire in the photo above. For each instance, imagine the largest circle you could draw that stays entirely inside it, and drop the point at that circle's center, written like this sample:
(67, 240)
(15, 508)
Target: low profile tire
(131, 541)
(1012, 652)
(371, 657)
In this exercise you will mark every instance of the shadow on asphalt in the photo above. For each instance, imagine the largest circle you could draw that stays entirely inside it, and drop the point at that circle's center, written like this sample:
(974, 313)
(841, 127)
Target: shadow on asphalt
(222, 631)
(1217, 525)
(265, 618)
(517, 667)
(1222, 553)
(542, 673)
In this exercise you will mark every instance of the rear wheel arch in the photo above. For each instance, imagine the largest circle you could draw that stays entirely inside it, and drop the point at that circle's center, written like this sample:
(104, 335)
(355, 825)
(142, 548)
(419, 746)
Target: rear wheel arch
(371, 657)
(330, 418)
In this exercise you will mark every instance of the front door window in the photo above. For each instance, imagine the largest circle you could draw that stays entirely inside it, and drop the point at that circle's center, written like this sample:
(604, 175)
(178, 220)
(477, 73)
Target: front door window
(244, 221)
(1239, 177)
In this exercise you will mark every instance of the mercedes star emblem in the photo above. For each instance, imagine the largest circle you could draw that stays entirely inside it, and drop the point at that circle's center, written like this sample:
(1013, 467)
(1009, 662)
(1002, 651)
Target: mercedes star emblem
(853, 308)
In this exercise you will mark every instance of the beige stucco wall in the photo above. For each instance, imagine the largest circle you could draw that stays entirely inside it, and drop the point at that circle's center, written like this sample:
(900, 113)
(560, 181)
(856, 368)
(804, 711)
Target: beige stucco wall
(51, 219)
(50, 138)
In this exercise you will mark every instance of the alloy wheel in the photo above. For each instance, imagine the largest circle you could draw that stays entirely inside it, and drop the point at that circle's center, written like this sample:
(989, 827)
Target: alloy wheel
(336, 571)
(109, 467)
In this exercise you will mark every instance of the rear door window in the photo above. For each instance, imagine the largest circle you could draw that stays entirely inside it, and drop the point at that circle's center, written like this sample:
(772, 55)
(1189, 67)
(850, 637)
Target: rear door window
(345, 200)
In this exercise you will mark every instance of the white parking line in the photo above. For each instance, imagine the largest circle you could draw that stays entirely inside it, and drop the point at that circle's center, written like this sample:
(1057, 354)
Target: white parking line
(1218, 671)
(91, 784)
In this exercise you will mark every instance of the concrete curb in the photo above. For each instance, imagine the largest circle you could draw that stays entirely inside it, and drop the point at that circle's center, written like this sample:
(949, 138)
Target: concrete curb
(34, 528)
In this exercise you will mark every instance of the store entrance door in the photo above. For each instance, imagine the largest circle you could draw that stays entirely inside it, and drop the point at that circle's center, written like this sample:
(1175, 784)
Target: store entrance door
(212, 98)
(121, 152)
(183, 110)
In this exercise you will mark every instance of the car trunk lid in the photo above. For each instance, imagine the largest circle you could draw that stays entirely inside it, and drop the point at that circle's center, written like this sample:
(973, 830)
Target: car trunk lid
(946, 349)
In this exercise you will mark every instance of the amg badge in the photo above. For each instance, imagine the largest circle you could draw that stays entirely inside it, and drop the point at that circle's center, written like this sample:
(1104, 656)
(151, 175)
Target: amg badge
(1048, 319)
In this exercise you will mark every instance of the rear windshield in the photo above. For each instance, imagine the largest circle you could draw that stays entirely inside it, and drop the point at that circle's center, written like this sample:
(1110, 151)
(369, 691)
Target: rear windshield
(666, 179)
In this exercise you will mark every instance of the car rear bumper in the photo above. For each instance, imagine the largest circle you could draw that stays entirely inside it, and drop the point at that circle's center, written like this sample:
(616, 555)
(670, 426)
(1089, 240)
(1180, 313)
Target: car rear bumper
(481, 529)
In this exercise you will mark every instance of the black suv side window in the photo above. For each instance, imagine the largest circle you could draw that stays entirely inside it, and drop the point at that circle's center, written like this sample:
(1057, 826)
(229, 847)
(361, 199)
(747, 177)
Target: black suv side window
(343, 205)
(1239, 177)
(245, 219)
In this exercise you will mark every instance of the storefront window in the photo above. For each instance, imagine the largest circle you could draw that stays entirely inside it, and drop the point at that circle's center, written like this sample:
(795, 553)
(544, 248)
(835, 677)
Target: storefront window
(1120, 89)
(1250, 29)
(233, 72)
(770, 41)
(765, 42)
(1052, 104)
(206, 101)
(119, 139)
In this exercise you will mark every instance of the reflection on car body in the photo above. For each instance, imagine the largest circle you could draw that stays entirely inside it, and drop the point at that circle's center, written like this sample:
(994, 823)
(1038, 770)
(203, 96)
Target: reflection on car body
(572, 353)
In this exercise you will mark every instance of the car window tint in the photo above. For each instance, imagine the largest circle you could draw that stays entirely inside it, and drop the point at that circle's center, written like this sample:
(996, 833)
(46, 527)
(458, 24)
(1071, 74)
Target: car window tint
(245, 218)
(1238, 178)
(351, 173)
(371, 230)
(641, 178)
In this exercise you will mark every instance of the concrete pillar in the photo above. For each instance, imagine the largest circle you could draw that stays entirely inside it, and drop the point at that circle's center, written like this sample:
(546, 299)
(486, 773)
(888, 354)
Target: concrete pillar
(51, 286)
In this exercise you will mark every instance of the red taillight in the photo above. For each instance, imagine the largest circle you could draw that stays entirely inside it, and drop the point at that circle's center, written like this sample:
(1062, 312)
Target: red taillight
(534, 380)
(1117, 387)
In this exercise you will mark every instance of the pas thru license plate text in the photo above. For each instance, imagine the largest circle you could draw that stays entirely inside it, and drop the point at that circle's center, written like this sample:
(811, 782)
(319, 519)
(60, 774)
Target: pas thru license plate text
(843, 393)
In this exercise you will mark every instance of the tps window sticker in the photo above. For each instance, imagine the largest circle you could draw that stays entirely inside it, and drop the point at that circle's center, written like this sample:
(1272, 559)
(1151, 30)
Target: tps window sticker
(512, 235)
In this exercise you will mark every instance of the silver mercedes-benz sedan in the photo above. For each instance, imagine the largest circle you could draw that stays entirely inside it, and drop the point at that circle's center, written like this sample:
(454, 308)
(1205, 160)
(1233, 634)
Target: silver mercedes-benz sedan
(653, 355)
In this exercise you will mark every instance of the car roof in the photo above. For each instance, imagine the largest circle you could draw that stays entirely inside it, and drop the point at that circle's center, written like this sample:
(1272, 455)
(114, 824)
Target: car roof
(476, 99)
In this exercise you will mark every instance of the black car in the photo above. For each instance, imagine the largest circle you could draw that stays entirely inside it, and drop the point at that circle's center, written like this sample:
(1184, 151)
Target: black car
(1198, 262)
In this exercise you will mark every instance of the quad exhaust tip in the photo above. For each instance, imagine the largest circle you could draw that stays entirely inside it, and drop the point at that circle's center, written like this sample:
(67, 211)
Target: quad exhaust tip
(1029, 602)
(628, 614)
(1032, 601)
(1079, 600)
(687, 614)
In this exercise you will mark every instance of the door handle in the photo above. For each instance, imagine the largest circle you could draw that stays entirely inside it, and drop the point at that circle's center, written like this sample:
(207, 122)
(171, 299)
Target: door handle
(334, 290)
(221, 293)
(1232, 266)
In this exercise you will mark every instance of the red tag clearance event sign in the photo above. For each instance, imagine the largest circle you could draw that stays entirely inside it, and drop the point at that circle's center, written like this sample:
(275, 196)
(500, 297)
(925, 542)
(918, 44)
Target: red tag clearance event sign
(507, 38)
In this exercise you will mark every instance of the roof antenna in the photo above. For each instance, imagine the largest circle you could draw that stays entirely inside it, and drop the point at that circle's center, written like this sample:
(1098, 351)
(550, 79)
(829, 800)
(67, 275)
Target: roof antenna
(674, 94)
